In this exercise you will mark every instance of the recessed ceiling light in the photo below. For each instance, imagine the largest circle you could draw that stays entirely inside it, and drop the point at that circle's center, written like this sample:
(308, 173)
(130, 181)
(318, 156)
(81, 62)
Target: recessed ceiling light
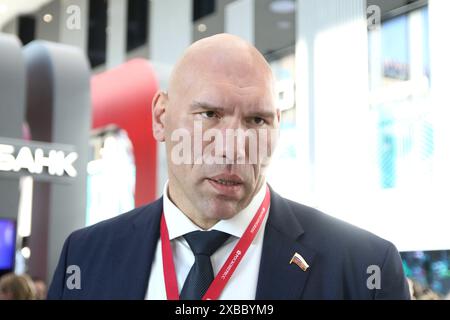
(26, 253)
(47, 18)
(202, 27)
(282, 6)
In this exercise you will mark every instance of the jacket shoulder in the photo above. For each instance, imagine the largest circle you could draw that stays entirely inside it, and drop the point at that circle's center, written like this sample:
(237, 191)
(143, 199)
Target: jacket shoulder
(100, 250)
(355, 256)
(336, 234)
(326, 225)
(105, 230)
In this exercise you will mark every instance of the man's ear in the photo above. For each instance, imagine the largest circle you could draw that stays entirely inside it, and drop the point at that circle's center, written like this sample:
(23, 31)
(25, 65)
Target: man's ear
(159, 105)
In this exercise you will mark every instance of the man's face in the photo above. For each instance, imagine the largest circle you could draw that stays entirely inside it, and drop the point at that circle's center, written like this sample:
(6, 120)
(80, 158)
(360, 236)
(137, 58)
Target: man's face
(222, 179)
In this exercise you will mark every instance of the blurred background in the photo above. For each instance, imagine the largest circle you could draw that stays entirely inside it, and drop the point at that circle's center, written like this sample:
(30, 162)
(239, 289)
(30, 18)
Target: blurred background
(362, 86)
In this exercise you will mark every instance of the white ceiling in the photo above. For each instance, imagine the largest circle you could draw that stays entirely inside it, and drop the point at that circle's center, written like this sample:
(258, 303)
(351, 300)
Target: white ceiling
(12, 8)
(269, 37)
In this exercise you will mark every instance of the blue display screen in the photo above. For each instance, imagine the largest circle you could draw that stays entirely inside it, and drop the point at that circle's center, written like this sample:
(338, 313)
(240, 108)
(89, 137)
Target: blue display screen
(7, 244)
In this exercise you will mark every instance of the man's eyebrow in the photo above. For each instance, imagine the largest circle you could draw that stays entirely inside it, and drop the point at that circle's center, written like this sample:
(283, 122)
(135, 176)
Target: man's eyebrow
(204, 105)
(196, 105)
(263, 114)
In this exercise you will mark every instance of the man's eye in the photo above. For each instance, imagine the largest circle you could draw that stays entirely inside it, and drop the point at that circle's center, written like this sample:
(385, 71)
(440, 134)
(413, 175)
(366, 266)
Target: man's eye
(209, 114)
(258, 121)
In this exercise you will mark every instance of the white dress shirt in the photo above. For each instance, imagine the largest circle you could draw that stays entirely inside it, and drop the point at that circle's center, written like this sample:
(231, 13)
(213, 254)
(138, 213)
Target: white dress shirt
(243, 282)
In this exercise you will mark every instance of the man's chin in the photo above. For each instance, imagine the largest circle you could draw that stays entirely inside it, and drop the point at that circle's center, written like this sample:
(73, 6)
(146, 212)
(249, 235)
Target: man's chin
(223, 211)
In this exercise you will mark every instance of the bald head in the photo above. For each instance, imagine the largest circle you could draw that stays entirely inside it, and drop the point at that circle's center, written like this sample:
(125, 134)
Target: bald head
(223, 56)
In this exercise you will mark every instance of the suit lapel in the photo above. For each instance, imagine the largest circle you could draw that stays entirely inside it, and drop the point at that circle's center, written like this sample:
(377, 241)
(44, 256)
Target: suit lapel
(278, 279)
(134, 251)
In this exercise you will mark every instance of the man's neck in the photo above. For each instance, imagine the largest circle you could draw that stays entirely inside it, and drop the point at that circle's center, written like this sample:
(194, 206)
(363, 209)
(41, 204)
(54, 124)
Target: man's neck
(198, 220)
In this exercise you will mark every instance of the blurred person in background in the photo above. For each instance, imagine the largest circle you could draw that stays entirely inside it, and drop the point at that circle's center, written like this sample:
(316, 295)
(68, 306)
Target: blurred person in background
(41, 288)
(419, 292)
(17, 287)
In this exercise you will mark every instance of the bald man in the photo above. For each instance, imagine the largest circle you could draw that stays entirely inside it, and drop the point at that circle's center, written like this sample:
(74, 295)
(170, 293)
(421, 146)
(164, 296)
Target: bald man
(219, 231)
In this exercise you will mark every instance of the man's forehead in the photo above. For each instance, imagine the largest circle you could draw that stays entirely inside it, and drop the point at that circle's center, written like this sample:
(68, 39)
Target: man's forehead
(226, 92)
(223, 67)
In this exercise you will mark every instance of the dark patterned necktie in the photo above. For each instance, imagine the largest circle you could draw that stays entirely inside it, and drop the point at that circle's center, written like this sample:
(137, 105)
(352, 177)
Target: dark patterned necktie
(203, 244)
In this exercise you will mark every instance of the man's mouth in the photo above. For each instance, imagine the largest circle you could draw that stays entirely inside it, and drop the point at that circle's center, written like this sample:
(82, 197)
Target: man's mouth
(227, 179)
(226, 182)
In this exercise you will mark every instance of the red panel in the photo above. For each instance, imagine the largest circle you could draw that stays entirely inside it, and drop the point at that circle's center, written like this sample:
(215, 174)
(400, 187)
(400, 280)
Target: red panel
(123, 96)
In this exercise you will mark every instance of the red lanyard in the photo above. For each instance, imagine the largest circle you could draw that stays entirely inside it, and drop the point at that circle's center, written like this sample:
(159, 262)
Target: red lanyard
(225, 273)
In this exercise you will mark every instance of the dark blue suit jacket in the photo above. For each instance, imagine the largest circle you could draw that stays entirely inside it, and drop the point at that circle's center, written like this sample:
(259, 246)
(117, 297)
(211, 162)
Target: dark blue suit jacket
(115, 257)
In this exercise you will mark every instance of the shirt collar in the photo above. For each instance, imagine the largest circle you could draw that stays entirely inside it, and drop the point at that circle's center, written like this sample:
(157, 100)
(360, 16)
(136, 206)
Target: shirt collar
(178, 224)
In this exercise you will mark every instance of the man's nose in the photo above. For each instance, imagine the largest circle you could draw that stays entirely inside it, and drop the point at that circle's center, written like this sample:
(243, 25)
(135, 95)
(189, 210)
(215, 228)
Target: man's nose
(234, 142)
